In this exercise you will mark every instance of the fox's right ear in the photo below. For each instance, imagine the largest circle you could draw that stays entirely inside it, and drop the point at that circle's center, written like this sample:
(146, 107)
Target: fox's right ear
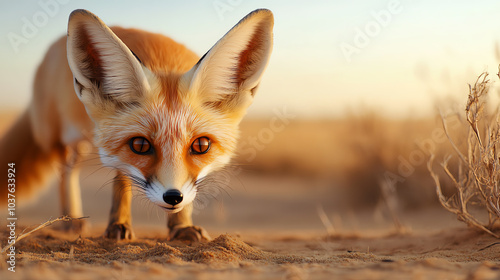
(104, 69)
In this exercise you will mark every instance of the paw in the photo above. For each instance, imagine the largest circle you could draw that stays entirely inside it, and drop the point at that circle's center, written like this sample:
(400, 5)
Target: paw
(119, 231)
(189, 234)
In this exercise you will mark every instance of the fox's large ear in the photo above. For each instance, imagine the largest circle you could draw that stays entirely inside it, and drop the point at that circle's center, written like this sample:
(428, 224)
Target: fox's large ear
(227, 76)
(104, 68)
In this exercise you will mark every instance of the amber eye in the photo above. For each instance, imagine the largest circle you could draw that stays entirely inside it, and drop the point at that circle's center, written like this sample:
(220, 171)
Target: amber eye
(140, 146)
(200, 145)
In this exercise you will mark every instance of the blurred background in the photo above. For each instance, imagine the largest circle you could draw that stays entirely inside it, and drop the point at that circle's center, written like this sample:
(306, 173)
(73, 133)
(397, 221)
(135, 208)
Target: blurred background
(345, 119)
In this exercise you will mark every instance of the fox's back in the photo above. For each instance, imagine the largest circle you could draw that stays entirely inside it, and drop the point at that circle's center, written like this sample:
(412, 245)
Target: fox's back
(57, 114)
(157, 52)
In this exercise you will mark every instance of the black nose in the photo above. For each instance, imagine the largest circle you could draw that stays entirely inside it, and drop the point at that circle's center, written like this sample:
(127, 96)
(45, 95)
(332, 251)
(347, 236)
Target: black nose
(172, 197)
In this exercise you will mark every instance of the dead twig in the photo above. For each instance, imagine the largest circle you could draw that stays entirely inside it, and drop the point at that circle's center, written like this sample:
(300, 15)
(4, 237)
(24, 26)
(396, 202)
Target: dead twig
(46, 224)
(489, 246)
(390, 200)
(330, 229)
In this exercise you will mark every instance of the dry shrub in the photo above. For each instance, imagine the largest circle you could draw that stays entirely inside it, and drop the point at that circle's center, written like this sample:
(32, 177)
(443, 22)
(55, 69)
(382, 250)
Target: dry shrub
(478, 176)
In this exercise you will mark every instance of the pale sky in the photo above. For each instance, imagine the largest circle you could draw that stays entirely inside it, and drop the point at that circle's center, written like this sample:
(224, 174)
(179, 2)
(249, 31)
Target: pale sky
(330, 57)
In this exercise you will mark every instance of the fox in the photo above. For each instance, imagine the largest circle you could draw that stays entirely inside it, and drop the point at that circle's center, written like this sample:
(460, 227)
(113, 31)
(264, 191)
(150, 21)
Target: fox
(156, 112)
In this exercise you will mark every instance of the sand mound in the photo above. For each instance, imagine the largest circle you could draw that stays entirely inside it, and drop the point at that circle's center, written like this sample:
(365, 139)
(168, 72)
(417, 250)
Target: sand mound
(453, 253)
(224, 248)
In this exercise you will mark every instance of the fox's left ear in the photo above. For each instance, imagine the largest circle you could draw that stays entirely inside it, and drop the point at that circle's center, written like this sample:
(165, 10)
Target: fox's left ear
(227, 76)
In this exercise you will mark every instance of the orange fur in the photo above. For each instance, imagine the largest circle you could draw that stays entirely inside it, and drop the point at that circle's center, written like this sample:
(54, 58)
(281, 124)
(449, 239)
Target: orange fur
(32, 164)
(157, 52)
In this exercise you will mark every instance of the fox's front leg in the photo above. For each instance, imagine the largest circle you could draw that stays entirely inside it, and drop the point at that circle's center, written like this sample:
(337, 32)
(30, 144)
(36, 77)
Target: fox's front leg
(120, 218)
(180, 226)
(69, 190)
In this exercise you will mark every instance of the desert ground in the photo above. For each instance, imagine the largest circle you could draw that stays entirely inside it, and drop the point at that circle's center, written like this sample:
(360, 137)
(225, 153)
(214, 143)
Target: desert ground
(308, 204)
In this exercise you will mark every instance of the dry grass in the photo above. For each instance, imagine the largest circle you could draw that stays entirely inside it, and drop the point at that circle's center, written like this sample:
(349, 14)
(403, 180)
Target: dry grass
(41, 226)
(477, 180)
(361, 155)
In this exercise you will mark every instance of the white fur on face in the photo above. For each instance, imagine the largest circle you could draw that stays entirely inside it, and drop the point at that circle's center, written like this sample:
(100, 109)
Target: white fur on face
(155, 192)
(114, 162)
(108, 160)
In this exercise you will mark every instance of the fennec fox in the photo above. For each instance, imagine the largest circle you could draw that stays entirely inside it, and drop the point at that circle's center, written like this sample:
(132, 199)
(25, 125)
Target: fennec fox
(158, 114)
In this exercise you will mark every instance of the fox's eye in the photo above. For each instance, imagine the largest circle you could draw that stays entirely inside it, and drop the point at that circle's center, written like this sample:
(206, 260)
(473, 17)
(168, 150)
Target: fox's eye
(140, 145)
(200, 145)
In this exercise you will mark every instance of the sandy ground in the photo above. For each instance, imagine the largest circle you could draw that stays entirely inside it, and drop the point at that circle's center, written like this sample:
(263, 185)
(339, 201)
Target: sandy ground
(269, 228)
(451, 254)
